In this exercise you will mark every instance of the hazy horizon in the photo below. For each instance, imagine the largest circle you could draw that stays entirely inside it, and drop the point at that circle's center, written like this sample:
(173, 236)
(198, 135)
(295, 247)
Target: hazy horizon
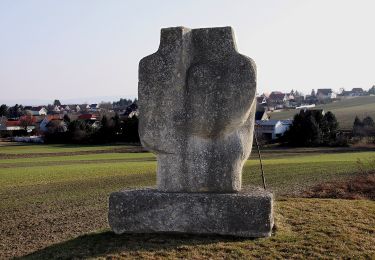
(75, 50)
(64, 101)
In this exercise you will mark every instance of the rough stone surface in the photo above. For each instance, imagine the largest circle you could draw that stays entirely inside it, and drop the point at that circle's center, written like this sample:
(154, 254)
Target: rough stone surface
(197, 105)
(247, 214)
(197, 108)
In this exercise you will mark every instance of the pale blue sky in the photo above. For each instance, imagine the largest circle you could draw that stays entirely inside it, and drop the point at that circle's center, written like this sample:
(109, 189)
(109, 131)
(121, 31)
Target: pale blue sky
(80, 49)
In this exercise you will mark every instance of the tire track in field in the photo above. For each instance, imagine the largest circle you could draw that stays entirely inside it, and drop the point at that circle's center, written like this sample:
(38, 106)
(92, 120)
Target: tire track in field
(54, 163)
(133, 149)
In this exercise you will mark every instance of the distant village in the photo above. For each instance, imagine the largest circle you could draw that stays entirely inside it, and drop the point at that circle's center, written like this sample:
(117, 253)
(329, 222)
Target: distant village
(277, 100)
(31, 123)
(268, 103)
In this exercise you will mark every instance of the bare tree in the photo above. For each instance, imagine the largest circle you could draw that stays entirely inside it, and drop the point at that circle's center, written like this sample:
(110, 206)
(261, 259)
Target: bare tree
(105, 105)
(26, 121)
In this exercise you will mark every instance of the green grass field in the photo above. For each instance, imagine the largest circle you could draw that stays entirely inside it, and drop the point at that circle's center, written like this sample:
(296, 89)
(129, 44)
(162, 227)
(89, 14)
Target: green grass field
(345, 110)
(54, 205)
(7, 148)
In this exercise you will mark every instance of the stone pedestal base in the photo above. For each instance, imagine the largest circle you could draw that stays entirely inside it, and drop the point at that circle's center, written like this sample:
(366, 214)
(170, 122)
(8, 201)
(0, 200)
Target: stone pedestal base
(245, 214)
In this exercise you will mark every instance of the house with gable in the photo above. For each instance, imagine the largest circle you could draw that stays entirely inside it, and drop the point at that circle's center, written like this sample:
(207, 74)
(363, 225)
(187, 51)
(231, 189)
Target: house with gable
(14, 126)
(53, 121)
(36, 111)
(325, 94)
(277, 100)
(93, 107)
(84, 108)
(262, 100)
(76, 108)
(66, 109)
(357, 92)
(131, 111)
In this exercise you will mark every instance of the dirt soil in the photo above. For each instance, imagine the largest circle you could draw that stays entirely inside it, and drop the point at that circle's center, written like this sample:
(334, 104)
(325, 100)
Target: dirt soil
(37, 225)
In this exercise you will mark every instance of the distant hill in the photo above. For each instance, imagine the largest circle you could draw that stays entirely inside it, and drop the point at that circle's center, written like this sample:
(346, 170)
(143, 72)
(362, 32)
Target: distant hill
(345, 110)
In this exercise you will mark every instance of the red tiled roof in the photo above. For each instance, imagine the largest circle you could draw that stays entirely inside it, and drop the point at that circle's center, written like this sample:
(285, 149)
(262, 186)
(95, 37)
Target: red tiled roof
(29, 118)
(13, 123)
(53, 116)
(87, 116)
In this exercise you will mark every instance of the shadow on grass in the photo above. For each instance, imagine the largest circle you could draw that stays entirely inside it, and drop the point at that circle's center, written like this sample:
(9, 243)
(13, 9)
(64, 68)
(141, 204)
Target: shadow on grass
(104, 243)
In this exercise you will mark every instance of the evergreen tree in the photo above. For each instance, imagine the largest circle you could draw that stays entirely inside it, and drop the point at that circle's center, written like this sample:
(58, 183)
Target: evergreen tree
(79, 132)
(369, 126)
(368, 122)
(123, 102)
(105, 132)
(116, 124)
(357, 127)
(366, 127)
(311, 128)
(357, 122)
(329, 127)
(15, 111)
(3, 110)
(130, 130)
(66, 119)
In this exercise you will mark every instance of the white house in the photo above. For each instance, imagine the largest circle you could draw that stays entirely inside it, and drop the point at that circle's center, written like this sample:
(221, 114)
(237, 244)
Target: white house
(67, 108)
(56, 109)
(3, 123)
(37, 111)
(262, 99)
(14, 125)
(93, 107)
(46, 123)
(76, 108)
(272, 129)
(325, 93)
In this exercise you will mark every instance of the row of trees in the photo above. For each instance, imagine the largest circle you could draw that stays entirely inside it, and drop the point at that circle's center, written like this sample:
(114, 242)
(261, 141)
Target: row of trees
(123, 102)
(110, 129)
(312, 128)
(364, 128)
(11, 112)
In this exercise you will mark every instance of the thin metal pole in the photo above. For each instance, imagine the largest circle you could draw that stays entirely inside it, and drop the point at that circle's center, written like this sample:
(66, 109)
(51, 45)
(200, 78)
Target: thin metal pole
(260, 160)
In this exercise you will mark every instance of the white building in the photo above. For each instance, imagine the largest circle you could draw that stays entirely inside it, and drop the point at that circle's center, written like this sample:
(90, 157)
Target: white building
(37, 111)
(325, 93)
(272, 129)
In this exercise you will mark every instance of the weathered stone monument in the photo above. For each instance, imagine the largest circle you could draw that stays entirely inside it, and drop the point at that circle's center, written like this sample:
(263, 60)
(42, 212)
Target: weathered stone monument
(196, 107)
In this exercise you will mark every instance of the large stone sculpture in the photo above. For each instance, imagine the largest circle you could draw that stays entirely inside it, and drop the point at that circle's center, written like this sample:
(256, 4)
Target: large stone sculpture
(196, 106)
